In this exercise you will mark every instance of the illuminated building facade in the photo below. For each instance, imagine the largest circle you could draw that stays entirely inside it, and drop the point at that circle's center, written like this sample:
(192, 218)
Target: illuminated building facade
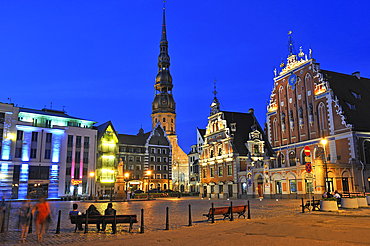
(145, 152)
(163, 111)
(139, 154)
(234, 148)
(194, 168)
(35, 153)
(306, 105)
(107, 159)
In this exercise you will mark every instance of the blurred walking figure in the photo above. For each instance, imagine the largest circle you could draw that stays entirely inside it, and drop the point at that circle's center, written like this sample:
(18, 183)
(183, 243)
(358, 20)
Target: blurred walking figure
(42, 216)
(24, 217)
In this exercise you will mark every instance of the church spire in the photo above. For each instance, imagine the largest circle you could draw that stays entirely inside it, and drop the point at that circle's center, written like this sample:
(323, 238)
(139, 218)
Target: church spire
(164, 36)
(163, 106)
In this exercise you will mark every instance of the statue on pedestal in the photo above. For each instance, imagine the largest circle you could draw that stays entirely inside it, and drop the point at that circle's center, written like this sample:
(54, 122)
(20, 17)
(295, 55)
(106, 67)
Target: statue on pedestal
(120, 168)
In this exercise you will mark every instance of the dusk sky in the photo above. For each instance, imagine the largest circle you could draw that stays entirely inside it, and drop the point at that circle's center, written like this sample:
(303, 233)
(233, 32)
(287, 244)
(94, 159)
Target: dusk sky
(98, 59)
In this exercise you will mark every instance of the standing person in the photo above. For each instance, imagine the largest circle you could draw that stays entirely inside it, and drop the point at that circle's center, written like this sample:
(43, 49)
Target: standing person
(42, 217)
(24, 217)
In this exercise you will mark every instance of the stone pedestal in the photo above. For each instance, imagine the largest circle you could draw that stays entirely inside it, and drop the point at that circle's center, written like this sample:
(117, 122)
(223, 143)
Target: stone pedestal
(120, 188)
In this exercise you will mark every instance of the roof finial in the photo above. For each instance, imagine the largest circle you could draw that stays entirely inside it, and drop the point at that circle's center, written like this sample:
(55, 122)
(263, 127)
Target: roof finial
(290, 44)
(214, 87)
(215, 106)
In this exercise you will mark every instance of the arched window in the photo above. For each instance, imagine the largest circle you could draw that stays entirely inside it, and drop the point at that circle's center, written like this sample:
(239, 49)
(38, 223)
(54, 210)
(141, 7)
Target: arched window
(308, 78)
(275, 130)
(292, 161)
(164, 128)
(280, 159)
(367, 151)
(322, 119)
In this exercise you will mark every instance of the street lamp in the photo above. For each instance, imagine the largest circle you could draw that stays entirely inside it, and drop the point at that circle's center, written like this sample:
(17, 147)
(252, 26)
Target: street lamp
(324, 142)
(148, 173)
(127, 175)
(92, 174)
(111, 172)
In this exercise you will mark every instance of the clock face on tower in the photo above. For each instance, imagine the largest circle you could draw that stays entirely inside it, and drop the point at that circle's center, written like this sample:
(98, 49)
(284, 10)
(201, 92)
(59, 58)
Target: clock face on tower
(164, 101)
(292, 80)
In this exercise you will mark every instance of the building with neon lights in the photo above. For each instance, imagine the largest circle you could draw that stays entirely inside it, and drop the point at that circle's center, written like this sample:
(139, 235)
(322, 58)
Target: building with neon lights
(308, 104)
(138, 154)
(44, 153)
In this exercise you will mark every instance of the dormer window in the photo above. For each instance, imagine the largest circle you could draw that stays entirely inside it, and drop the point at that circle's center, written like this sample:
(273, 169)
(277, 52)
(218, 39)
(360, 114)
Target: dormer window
(358, 96)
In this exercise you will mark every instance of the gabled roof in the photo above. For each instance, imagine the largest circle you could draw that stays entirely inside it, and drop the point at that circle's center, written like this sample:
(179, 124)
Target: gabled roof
(244, 123)
(202, 132)
(133, 139)
(345, 88)
(103, 127)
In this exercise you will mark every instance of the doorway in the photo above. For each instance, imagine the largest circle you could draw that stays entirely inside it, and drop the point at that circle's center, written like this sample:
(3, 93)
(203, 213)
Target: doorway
(345, 185)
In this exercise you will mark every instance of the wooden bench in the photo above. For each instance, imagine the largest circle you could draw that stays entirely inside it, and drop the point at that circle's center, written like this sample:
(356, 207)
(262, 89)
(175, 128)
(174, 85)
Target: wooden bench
(314, 204)
(104, 219)
(226, 211)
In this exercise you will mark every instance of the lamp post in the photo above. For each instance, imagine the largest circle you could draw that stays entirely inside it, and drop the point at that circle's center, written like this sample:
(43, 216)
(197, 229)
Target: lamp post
(324, 142)
(92, 174)
(148, 173)
(111, 187)
(127, 175)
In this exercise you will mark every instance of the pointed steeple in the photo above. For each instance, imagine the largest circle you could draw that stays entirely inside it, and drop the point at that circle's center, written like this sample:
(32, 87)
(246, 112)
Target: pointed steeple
(215, 106)
(163, 106)
(164, 35)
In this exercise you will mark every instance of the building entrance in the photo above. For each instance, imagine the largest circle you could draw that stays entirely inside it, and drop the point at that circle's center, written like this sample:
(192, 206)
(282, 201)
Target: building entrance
(37, 190)
(345, 185)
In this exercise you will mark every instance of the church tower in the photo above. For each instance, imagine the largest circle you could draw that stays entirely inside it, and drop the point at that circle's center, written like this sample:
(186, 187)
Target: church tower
(163, 106)
(163, 111)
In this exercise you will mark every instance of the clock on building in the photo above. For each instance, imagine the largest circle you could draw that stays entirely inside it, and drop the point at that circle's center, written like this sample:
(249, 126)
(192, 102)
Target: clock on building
(292, 80)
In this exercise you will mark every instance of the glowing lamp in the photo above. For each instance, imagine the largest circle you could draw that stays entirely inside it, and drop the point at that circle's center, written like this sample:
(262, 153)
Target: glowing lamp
(324, 141)
(127, 175)
(92, 174)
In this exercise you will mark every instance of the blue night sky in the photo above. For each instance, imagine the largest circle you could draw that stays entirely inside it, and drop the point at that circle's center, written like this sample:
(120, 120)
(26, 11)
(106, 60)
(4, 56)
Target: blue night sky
(99, 58)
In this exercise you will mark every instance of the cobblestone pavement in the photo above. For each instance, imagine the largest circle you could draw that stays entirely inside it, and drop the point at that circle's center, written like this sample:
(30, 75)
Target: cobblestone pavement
(154, 217)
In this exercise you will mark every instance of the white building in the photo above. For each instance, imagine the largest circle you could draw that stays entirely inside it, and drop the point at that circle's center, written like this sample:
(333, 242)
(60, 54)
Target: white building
(44, 153)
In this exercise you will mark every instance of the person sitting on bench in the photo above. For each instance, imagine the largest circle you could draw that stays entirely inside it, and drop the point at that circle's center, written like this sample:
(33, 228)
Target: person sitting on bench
(109, 211)
(75, 212)
(93, 211)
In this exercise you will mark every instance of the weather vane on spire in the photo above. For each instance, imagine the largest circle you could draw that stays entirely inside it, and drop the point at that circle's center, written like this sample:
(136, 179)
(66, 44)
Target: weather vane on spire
(290, 43)
(214, 87)
(164, 2)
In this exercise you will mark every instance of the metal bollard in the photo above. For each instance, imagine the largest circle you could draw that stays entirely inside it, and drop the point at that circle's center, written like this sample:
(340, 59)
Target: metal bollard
(249, 211)
(87, 222)
(3, 222)
(114, 228)
(302, 206)
(213, 214)
(58, 223)
(142, 221)
(30, 227)
(190, 221)
(167, 220)
(231, 211)
(19, 219)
